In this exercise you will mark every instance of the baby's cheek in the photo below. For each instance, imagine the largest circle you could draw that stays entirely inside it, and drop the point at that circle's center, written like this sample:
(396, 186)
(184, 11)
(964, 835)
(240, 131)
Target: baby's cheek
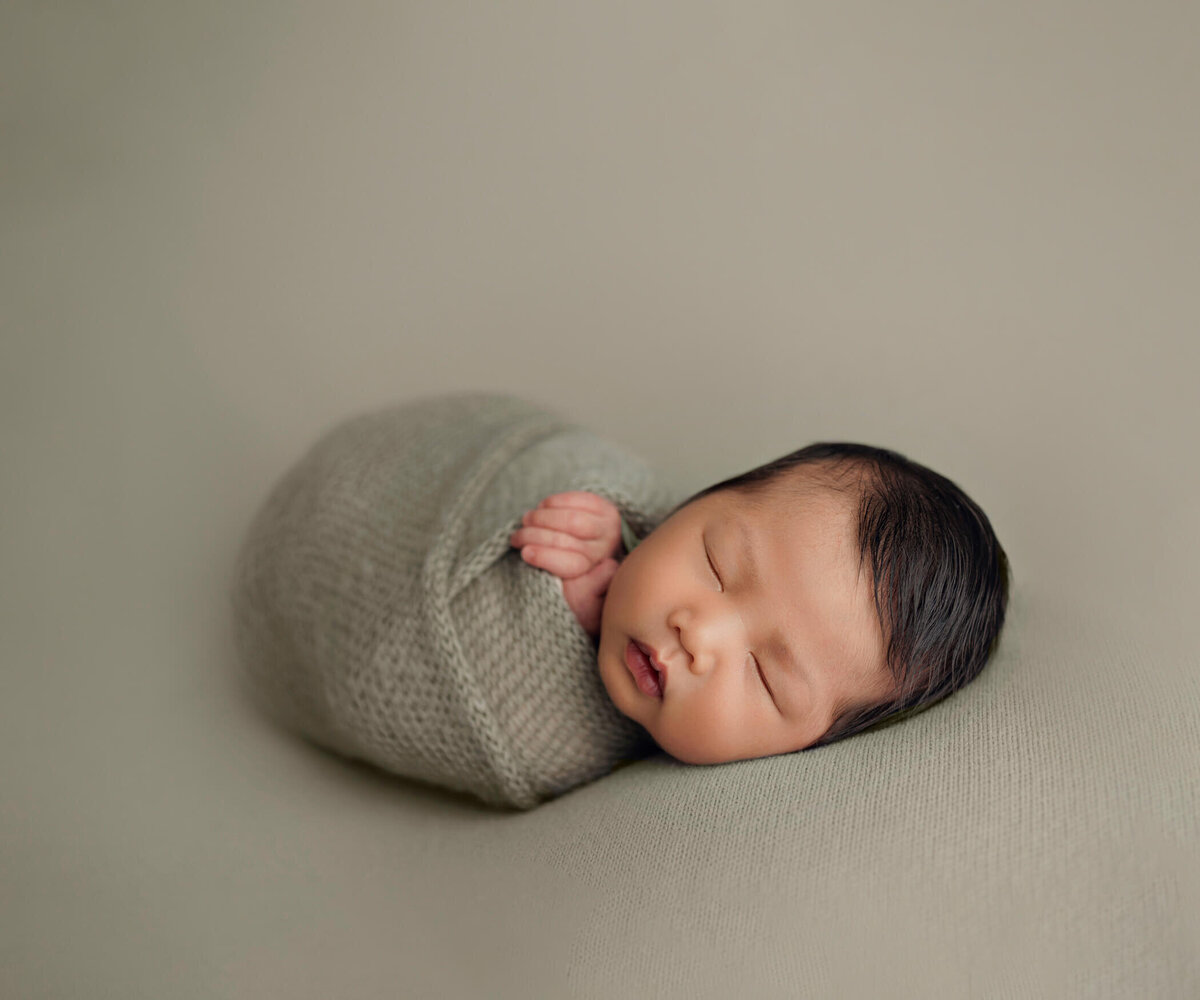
(701, 731)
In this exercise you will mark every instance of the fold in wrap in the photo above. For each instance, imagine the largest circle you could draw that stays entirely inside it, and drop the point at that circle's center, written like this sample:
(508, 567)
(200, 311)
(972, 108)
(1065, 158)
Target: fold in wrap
(380, 611)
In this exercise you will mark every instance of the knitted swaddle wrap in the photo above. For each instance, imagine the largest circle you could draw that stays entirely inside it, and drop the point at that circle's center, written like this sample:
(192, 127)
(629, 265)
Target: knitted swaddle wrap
(380, 611)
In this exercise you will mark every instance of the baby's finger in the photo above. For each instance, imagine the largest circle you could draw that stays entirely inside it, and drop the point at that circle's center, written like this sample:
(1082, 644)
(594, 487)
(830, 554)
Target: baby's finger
(562, 563)
(572, 520)
(547, 537)
(579, 499)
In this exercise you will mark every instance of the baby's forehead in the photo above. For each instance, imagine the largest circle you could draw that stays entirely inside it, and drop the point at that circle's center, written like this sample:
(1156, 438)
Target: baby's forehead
(798, 540)
(810, 500)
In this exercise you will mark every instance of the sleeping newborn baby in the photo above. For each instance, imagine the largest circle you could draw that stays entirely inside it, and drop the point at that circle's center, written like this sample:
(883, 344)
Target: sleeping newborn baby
(786, 608)
(471, 591)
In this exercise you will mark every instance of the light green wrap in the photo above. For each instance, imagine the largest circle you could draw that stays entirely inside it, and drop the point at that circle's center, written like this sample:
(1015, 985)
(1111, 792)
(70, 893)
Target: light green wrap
(381, 612)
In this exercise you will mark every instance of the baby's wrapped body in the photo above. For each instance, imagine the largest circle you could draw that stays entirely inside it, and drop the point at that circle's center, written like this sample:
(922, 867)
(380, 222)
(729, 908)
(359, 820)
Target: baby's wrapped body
(381, 612)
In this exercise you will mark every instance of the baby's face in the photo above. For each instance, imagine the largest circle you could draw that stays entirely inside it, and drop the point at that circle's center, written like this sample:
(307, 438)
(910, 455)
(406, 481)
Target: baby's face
(755, 665)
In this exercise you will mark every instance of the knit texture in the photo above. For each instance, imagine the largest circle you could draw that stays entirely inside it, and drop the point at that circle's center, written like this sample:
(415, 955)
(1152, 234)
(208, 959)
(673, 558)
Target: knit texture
(381, 612)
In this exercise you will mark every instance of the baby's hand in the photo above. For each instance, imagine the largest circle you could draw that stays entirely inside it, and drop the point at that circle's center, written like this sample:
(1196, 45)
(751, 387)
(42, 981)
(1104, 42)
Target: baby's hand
(577, 537)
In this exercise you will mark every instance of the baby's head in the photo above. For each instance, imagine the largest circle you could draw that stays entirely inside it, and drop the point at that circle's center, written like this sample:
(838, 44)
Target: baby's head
(803, 602)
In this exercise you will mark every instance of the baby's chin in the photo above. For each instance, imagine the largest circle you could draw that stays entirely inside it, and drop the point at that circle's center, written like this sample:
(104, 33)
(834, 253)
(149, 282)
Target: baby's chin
(647, 744)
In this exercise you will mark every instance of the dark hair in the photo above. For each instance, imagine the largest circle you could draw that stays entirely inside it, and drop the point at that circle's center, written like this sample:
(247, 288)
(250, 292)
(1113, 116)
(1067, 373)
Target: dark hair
(941, 577)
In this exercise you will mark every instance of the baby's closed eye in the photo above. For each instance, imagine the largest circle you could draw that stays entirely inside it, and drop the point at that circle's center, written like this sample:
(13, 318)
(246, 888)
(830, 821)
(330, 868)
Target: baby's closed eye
(762, 676)
(712, 566)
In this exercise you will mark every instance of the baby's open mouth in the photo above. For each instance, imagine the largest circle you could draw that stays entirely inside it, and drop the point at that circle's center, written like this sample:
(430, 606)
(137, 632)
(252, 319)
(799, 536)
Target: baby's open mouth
(648, 679)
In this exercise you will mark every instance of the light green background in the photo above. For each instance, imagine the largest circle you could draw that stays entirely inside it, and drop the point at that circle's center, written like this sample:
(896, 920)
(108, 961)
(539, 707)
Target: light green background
(714, 232)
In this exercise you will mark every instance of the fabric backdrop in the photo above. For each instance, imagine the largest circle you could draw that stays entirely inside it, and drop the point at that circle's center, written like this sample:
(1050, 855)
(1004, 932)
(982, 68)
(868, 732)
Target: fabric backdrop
(713, 233)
